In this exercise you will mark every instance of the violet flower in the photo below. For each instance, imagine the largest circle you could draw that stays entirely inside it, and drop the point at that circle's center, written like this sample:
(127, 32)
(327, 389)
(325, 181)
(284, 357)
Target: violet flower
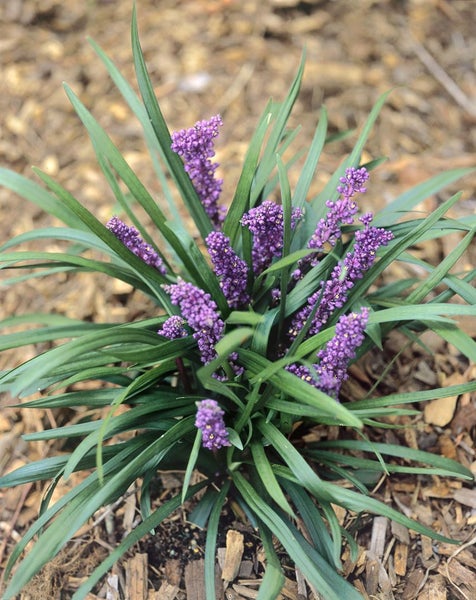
(201, 314)
(340, 350)
(331, 371)
(209, 420)
(173, 328)
(232, 269)
(333, 293)
(131, 238)
(195, 146)
(342, 211)
(303, 373)
(266, 223)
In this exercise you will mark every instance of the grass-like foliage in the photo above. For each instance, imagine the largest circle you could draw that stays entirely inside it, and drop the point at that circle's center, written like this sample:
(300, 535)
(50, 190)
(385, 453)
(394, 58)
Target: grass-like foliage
(260, 311)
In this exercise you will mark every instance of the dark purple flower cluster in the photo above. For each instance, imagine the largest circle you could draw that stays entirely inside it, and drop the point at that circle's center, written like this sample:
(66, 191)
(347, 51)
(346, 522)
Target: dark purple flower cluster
(353, 182)
(367, 242)
(195, 146)
(333, 292)
(342, 211)
(331, 370)
(232, 270)
(303, 373)
(173, 328)
(334, 358)
(266, 224)
(131, 238)
(209, 420)
(201, 314)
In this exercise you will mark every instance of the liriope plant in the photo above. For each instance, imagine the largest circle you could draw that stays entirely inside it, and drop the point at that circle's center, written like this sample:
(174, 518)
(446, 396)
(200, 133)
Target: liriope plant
(259, 313)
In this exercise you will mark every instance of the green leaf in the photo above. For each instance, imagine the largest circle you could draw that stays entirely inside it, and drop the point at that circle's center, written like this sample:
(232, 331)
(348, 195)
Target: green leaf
(458, 338)
(192, 460)
(426, 312)
(273, 580)
(211, 542)
(441, 271)
(308, 170)
(316, 570)
(154, 147)
(149, 275)
(268, 161)
(171, 159)
(313, 521)
(75, 505)
(201, 512)
(241, 200)
(408, 200)
(265, 471)
(447, 466)
(31, 371)
(296, 388)
(47, 334)
(412, 397)
(295, 461)
(34, 193)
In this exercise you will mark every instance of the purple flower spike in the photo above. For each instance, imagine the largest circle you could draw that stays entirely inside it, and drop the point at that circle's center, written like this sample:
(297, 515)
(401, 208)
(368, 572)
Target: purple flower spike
(266, 224)
(342, 211)
(210, 421)
(195, 146)
(333, 292)
(367, 242)
(201, 313)
(131, 238)
(331, 371)
(173, 328)
(232, 269)
(353, 182)
(302, 372)
(335, 357)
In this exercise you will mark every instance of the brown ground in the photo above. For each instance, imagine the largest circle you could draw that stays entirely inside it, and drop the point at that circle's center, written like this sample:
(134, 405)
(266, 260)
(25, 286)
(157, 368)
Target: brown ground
(229, 56)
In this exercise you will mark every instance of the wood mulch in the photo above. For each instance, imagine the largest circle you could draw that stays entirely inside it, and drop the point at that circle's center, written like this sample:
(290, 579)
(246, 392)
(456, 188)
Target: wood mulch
(229, 56)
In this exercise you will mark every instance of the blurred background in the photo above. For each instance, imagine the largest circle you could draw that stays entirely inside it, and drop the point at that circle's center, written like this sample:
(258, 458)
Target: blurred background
(230, 56)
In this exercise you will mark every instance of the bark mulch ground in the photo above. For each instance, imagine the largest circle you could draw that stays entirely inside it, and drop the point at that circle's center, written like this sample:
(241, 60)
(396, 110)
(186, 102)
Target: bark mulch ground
(229, 56)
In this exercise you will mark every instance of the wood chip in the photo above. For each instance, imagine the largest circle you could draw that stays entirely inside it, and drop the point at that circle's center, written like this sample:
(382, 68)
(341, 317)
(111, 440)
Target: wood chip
(400, 557)
(371, 574)
(466, 497)
(440, 411)
(461, 578)
(194, 576)
(167, 591)
(136, 577)
(414, 584)
(112, 587)
(435, 589)
(377, 542)
(246, 569)
(400, 532)
(233, 556)
(427, 555)
(173, 571)
(465, 556)
(240, 592)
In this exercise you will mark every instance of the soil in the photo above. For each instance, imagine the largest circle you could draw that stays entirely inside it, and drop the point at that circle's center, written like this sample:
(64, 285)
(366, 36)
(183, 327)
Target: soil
(228, 57)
